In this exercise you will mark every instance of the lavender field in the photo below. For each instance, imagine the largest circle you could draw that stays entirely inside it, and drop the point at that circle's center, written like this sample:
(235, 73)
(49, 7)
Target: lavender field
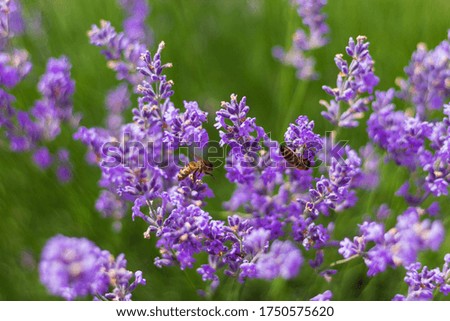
(224, 150)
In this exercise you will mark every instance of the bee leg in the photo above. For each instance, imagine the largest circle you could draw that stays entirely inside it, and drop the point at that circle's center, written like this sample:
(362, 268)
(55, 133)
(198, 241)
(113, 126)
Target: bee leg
(210, 174)
(194, 175)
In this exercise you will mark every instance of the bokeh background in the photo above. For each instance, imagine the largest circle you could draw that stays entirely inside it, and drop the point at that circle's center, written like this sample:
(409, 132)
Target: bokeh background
(217, 48)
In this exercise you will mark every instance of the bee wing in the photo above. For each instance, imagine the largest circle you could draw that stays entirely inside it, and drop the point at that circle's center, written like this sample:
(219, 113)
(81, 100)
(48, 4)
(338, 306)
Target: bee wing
(285, 151)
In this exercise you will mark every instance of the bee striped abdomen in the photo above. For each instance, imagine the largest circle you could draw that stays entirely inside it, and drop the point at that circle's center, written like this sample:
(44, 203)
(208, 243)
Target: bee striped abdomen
(186, 170)
(194, 168)
(291, 158)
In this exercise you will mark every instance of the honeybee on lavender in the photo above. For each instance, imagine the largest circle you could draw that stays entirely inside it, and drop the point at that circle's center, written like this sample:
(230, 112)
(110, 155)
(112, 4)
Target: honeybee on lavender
(194, 168)
(293, 159)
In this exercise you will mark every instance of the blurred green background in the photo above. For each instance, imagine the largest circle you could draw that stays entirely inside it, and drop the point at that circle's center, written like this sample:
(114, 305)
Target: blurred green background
(217, 48)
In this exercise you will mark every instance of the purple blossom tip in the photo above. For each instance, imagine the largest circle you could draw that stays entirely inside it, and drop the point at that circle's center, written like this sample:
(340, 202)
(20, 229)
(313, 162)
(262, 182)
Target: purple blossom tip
(353, 81)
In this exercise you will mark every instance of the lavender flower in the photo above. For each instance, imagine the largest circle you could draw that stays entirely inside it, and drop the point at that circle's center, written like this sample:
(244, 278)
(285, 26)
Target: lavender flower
(398, 246)
(117, 101)
(262, 190)
(209, 274)
(6, 110)
(243, 137)
(139, 164)
(56, 106)
(404, 137)
(325, 296)
(154, 104)
(305, 40)
(426, 85)
(350, 248)
(300, 137)
(49, 113)
(435, 162)
(334, 191)
(32, 130)
(76, 267)
(353, 81)
(4, 18)
(400, 135)
(158, 126)
(11, 21)
(72, 267)
(42, 158)
(422, 284)
(283, 260)
(14, 67)
(182, 233)
(134, 25)
(110, 205)
(368, 177)
(186, 129)
(121, 52)
(120, 279)
(310, 234)
(16, 21)
(338, 193)
(257, 241)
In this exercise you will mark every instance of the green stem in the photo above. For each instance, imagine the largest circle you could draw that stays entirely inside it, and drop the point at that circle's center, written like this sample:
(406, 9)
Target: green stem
(189, 281)
(230, 294)
(296, 101)
(225, 214)
(241, 290)
(223, 285)
(344, 260)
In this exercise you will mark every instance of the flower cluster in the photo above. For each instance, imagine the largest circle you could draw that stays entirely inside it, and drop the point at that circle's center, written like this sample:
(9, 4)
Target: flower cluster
(173, 209)
(352, 82)
(30, 131)
(300, 137)
(423, 284)
(145, 164)
(243, 137)
(313, 36)
(123, 52)
(397, 246)
(418, 141)
(143, 152)
(426, 85)
(282, 260)
(75, 267)
(275, 193)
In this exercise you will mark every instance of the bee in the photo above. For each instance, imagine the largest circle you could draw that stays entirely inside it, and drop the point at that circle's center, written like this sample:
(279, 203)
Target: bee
(293, 159)
(194, 168)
